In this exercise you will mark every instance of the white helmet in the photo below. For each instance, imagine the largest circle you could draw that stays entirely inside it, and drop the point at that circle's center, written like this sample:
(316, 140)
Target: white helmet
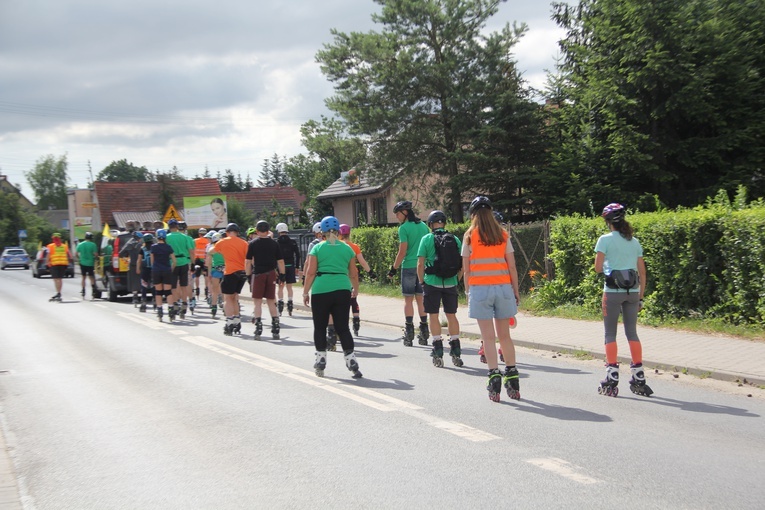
(215, 237)
(202, 231)
(282, 227)
(316, 227)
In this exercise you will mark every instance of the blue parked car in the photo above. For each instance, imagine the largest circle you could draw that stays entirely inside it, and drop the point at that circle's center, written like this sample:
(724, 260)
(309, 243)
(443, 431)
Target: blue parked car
(14, 257)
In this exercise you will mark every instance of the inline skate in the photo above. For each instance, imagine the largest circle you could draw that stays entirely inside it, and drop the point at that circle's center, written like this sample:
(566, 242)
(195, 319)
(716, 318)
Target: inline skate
(82, 292)
(609, 385)
(511, 382)
(637, 382)
(56, 298)
(172, 311)
(214, 310)
(160, 313)
(184, 309)
(192, 304)
(275, 328)
(228, 328)
(352, 364)
(437, 353)
(356, 325)
(408, 334)
(482, 354)
(321, 363)
(237, 325)
(280, 307)
(142, 308)
(494, 386)
(455, 351)
(290, 307)
(424, 334)
(331, 339)
(258, 328)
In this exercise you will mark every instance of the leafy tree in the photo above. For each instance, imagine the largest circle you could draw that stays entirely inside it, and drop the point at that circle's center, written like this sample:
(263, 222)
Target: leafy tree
(331, 150)
(13, 217)
(662, 99)
(122, 171)
(238, 213)
(417, 89)
(48, 181)
(273, 173)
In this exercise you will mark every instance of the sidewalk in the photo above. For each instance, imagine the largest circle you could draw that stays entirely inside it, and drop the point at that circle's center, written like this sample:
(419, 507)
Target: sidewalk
(718, 357)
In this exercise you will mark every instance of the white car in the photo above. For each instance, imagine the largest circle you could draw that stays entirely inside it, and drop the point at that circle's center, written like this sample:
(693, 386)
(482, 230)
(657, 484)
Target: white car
(14, 257)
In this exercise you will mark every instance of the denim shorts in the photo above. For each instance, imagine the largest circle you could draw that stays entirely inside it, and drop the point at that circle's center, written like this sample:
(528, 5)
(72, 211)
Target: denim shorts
(491, 302)
(410, 285)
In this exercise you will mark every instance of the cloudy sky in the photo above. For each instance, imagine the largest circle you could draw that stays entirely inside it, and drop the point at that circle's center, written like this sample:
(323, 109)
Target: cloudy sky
(221, 84)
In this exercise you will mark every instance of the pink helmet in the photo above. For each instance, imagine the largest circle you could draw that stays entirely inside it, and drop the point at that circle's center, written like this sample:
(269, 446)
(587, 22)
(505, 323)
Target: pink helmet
(344, 229)
(613, 212)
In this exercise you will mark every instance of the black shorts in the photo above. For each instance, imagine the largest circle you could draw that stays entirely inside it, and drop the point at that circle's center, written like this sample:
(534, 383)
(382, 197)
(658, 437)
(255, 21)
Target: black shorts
(87, 270)
(199, 268)
(289, 272)
(434, 296)
(58, 272)
(162, 277)
(233, 283)
(181, 276)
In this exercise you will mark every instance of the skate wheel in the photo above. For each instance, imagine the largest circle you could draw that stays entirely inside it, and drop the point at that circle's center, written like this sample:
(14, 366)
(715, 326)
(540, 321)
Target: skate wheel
(614, 392)
(600, 390)
(457, 362)
(438, 362)
(494, 397)
(319, 372)
(357, 375)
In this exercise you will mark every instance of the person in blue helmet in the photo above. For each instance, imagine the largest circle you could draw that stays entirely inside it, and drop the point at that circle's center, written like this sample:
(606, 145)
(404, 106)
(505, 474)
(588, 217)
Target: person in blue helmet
(331, 280)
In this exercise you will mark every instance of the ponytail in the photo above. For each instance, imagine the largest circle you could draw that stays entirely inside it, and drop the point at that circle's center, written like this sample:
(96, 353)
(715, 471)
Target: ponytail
(624, 228)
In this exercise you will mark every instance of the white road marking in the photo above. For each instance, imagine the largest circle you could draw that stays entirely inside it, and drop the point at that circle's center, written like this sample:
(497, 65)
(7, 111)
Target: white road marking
(307, 377)
(563, 468)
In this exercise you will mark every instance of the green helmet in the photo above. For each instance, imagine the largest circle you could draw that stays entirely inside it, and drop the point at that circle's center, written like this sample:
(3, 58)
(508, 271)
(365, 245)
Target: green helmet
(250, 231)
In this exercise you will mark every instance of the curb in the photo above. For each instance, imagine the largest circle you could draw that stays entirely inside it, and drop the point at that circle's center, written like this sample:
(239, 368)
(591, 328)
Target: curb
(551, 347)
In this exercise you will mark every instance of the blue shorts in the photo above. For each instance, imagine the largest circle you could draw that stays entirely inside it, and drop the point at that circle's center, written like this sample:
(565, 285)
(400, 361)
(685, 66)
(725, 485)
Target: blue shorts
(491, 302)
(410, 285)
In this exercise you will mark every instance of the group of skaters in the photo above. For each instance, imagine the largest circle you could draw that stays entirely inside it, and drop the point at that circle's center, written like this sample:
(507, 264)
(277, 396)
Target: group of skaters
(432, 262)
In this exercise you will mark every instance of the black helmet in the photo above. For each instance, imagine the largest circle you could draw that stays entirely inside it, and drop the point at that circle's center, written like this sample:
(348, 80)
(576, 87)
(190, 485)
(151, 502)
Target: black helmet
(88, 235)
(479, 202)
(262, 226)
(498, 217)
(436, 217)
(404, 205)
(232, 227)
(182, 225)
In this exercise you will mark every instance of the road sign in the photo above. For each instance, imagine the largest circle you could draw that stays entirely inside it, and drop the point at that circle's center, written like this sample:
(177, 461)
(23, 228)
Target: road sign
(22, 234)
(171, 214)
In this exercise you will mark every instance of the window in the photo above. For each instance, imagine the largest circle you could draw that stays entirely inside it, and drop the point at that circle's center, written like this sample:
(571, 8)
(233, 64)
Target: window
(379, 213)
(359, 212)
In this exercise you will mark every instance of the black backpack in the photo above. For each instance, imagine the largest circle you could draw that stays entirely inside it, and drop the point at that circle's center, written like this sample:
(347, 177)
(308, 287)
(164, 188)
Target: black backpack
(448, 261)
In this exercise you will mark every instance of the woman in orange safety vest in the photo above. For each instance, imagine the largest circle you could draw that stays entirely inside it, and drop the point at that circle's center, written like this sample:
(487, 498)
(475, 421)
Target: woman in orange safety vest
(491, 282)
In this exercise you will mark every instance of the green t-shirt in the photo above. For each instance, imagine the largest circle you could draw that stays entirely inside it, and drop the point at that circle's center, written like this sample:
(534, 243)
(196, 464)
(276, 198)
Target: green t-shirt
(86, 253)
(411, 233)
(108, 251)
(427, 249)
(332, 261)
(181, 244)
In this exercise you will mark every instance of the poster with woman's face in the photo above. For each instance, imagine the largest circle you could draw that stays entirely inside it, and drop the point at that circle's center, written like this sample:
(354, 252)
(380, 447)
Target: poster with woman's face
(208, 212)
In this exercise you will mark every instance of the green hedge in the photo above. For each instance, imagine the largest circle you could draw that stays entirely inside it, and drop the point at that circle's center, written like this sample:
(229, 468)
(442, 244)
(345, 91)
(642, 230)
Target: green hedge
(379, 246)
(706, 262)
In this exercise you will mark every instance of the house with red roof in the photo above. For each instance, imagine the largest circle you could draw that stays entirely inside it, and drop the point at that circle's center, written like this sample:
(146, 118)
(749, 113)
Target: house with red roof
(266, 202)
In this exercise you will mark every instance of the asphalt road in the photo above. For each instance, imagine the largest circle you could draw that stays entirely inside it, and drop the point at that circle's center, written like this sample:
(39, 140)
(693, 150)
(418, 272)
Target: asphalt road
(104, 407)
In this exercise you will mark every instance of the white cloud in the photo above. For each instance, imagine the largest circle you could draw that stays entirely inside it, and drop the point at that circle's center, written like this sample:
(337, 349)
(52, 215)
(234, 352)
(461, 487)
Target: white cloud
(182, 82)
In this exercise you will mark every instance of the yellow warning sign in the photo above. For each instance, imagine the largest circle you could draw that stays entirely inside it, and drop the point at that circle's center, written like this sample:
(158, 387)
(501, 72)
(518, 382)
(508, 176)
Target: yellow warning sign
(171, 214)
